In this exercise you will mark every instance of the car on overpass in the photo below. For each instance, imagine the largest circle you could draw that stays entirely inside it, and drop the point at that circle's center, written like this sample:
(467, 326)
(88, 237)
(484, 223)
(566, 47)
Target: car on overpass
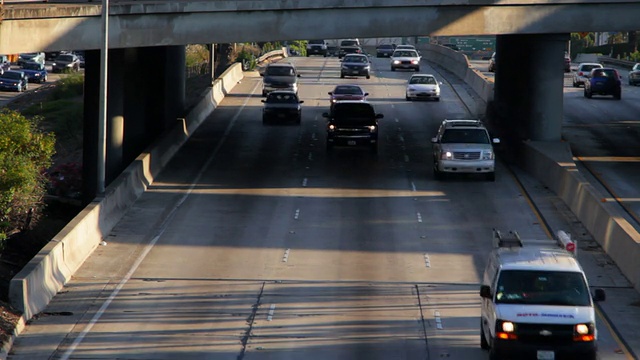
(423, 86)
(634, 75)
(463, 147)
(24, 57)
(282, 106)
(583, 72)
(405, 59)
(355, 65)
(66, 62)
(14, 80)
(35, 72)
(352, 123)
(603, 81)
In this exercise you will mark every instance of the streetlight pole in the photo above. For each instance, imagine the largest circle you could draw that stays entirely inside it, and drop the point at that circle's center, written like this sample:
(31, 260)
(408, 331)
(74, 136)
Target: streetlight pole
(102, 117)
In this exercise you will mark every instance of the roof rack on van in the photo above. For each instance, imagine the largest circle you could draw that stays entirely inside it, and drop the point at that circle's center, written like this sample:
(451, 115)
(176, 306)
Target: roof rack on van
(512, 239)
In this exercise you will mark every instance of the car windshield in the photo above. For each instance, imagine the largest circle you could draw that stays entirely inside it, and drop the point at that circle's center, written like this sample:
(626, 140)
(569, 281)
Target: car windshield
(354, 113)
(385, 46)
(356, 59)
(33, 66)
(349, 43)
(282, 98)
(467, 136)
(405, 53)
(280, 71)
(405, 47)
(28, 55)
(68, 58)
(422, 80)
(316, 42)
(347, 90)
(12, 75)
(542, 288)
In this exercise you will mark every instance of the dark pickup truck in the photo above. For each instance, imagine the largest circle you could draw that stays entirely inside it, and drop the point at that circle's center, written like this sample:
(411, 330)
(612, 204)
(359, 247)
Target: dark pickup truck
(352, 123)
(349, 47)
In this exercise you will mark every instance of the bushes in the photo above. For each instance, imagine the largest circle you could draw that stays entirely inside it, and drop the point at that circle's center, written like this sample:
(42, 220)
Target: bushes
(25, 152)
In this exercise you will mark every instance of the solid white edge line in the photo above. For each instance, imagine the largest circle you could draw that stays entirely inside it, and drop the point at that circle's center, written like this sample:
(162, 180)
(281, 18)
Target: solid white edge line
(155, 239)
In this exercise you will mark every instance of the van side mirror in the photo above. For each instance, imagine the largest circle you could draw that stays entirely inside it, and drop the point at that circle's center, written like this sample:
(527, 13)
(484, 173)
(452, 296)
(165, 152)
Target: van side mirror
(434, 140)
(495, 141)
(599, 295)
(485, 292)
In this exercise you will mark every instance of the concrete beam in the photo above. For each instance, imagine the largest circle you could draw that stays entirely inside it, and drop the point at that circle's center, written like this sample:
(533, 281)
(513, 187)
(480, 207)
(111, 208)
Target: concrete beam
(30, 28)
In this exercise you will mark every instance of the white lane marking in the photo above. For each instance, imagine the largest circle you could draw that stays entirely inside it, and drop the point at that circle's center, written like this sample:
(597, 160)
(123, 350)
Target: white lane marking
(419, 217)
(427, 261)
(436, 314)
(297, 214)
(304, 182)
(310, 157)
(271, 310)
(401, 138)
(406, 158)
(413, 187)
(285, 257)
(161, 230)
(396, 120)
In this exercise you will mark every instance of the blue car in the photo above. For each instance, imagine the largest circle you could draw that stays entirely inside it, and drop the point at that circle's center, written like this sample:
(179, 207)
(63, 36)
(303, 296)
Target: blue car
(13, 80)
(35, 72)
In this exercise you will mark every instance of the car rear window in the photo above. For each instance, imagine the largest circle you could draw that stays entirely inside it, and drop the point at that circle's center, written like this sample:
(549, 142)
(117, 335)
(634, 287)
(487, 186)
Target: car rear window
(349, 43)
(609, 73)
(351, 90)
(385, 47)
(590, 67)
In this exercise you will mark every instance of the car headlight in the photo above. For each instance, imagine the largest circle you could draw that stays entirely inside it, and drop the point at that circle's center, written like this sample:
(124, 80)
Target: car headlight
(505, 330)
(331, 128)
(584, 332)
(446, 155)
(487, 155)
(367, 67)
(372, 128)
(414, 61)
(396, 62)
(294, 86)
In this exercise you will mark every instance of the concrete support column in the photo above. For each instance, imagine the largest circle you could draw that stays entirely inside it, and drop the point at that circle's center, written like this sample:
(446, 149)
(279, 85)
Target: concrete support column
(135, 137)
(212, 65)
(528, 90)
(91, 114)
(115, 115)
(175, 83)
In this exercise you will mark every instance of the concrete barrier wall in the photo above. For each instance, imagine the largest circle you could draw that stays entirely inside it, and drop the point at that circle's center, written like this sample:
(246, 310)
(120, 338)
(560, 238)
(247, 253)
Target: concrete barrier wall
(32, 288)
(553, 165)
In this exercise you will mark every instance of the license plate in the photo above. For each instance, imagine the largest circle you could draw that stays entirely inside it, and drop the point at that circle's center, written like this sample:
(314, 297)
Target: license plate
(546, 355)
(351, 142)
(281, 115)
(354, 72)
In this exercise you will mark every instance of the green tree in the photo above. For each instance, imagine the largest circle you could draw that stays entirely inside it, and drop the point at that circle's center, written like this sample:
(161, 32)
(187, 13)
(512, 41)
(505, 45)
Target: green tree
(25, 153)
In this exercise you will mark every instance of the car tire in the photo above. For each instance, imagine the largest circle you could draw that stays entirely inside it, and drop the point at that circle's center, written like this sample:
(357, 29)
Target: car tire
(491, 176)
(265, 120)
(329, 147)
(299, 119)
(264, 93)
(437, 99)
(417, 69)
(368, 76)
(341, 76)
(618, 95)
(373, 148)
(588, 94)
(484, 344)
(393, 69)
(407, 98)
(584, 92)
(575, 84)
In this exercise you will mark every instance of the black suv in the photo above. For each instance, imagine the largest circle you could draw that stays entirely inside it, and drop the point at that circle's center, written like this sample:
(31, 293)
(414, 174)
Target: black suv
(352, 123)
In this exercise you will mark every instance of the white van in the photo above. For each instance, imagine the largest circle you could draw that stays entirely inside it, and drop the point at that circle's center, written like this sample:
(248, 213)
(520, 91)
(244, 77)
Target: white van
(536, 301)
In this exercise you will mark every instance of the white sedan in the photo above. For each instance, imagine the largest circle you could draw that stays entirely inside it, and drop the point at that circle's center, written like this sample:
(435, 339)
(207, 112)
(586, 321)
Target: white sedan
(405, 59)
(423, 86)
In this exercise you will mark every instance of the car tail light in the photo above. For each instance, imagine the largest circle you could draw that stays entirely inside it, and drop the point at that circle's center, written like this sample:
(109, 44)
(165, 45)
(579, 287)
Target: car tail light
(580, 73)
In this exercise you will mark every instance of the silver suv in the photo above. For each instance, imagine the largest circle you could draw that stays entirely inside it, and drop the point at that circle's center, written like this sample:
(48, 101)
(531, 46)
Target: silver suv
(463, 146)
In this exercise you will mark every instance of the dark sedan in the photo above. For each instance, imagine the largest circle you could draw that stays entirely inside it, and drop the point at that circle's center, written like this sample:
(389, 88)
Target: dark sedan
(13, 80)
(282, 106)
(385, 50)
(35, 72)
(347, 92)
(66, 63)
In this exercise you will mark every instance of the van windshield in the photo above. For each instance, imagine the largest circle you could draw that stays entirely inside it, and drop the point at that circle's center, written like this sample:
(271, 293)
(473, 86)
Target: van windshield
(542, 288)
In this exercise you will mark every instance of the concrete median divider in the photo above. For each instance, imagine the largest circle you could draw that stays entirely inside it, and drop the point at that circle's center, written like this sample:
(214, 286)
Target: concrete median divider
(32, 289)
(552, 164)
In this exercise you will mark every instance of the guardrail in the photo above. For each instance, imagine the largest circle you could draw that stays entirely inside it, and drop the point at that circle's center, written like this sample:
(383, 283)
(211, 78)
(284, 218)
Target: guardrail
(618, 62)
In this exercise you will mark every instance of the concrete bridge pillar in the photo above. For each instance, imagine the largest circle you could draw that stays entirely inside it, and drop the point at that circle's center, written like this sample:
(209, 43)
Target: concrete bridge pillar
(146, 93)
(528, 89)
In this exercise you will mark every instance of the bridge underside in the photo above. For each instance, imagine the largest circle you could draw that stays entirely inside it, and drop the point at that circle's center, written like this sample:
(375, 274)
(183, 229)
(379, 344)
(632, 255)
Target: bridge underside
(78, 27)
